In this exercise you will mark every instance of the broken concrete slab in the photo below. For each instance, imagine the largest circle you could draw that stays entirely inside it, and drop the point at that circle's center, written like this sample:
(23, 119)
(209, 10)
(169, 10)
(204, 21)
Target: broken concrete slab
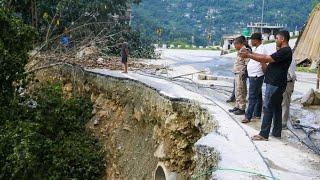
(316, 97)
(308, 99)
(206, 77)
(311, 98)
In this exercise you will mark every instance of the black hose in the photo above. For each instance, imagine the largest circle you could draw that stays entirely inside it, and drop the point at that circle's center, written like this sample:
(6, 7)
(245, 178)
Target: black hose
(313, 146)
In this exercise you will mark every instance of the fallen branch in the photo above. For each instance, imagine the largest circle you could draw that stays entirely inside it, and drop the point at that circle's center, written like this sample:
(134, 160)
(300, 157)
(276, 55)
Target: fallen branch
(47, 66)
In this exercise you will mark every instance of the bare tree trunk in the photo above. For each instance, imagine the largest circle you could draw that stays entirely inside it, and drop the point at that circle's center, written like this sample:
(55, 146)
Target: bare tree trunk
(50, 26)
(34, 14)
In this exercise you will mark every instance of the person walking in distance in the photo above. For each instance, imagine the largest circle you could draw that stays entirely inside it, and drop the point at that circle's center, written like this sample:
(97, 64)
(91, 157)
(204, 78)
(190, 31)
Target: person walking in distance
(124, 54)
(276, 82)
(256, 76)
(239, 70)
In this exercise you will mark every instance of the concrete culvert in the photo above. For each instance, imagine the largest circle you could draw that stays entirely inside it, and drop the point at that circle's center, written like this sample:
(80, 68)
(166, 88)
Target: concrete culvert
(159, 175)
(162, 173)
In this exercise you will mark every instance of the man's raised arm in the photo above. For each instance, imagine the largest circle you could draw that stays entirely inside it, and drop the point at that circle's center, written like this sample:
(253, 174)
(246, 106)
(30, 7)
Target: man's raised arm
(257, 57)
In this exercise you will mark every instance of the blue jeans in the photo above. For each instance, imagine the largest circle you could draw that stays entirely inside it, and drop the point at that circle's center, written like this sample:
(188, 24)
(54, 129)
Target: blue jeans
(272, 111)
(255, 97)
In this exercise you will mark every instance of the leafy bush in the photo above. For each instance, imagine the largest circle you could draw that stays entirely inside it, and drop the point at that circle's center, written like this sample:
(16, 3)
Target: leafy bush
(49, 141)
(42, 136)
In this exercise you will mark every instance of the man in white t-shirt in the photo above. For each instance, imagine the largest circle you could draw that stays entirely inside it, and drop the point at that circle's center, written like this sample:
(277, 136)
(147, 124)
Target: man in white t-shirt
(256, 76)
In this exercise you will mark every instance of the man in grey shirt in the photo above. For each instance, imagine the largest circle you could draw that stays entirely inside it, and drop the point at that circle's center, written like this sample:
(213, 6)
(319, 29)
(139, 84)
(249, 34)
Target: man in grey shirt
(291, 78)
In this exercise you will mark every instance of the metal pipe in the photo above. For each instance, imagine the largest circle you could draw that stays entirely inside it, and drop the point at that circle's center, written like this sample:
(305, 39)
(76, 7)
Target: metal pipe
(162, 173)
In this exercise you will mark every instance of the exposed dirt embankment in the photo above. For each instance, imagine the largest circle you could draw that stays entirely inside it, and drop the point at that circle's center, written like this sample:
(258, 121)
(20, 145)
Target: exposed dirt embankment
(138, 126)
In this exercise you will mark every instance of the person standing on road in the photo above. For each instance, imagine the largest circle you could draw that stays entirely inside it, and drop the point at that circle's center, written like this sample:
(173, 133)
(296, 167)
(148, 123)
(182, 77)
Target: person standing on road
(291, 78)
(276, 82)
(232, 98)
(239, 69)
(256, 76)
(124, 54)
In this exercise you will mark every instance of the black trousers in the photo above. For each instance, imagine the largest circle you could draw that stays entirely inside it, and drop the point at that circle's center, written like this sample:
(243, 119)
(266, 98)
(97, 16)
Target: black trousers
(272, 110)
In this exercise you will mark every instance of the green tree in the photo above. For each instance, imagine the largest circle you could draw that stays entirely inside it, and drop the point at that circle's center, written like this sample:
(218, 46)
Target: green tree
(83, 18)
(42, 134)
(315, 3)
(15, 42)
(49, 140)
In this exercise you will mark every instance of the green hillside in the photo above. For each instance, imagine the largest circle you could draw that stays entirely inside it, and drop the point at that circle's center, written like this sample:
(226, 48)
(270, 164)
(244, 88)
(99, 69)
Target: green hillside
(179, 20)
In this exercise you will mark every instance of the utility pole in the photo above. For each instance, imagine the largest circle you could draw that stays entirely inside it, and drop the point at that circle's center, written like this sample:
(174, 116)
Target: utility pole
(262, 14)
(209, 30)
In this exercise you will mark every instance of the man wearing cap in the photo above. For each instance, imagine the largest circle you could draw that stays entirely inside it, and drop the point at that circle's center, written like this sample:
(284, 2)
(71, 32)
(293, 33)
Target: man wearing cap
(276, 82)
(239, 69)
(256, 76)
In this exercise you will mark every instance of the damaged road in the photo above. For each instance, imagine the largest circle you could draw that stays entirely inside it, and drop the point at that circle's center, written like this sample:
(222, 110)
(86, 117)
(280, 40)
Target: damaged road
(287, 158)
(145, 119)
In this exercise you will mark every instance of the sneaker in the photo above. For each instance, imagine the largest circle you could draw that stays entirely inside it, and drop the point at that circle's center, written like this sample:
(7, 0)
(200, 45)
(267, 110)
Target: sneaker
(234, 109)
(239, 112)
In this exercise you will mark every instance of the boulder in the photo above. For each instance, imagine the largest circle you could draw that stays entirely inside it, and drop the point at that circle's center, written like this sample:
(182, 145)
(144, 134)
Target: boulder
(100, 60)
(160, 152)
(316, 97)
(87, 51)
(308, 99)
(67, 88)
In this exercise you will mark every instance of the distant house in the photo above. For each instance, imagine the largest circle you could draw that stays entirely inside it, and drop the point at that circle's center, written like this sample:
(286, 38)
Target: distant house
(268, 31)
(228, 41)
